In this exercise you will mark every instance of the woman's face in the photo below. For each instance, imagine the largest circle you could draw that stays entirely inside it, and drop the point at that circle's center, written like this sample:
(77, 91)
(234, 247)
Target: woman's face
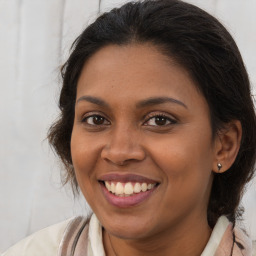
(141, 144)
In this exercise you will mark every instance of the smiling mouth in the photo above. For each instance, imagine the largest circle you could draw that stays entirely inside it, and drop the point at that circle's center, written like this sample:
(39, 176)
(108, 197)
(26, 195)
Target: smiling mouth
(126, 189)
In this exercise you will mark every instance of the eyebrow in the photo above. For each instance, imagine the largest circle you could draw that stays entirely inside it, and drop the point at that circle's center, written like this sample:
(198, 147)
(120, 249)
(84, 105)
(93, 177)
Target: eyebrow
(157, 101)
(93, 100)
(144, 103)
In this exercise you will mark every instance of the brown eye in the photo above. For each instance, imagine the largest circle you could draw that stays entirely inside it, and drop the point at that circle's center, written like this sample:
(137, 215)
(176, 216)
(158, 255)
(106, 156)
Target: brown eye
(98, 120)
(95, 120)
(160, 120)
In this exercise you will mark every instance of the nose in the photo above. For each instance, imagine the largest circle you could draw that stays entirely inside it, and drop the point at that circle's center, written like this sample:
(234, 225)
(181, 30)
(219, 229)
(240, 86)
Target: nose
(122, 147)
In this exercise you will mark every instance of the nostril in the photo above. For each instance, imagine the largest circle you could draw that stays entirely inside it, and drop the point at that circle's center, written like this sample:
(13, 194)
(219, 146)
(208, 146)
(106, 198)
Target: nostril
(121, 162)
(122, 156)
(118, 163)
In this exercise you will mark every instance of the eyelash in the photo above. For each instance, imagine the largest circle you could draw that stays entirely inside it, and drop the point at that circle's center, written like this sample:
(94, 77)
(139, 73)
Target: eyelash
(92, 116)
(170, 121)
(161, 115)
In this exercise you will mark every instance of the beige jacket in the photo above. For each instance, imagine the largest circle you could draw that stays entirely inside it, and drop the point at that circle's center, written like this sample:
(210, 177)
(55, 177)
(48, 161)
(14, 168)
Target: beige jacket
(79, 237)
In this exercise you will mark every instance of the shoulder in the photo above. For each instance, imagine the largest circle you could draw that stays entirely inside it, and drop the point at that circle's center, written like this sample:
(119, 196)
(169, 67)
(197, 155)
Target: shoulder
(43, 242)
(236, 240)
(226, 239)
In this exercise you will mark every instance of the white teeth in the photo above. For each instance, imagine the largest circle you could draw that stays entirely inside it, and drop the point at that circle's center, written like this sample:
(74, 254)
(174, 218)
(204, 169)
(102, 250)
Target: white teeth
(113, 187)
(137, 187)
(119, 188)
(108, 185)
(127, 189)
(144, 187)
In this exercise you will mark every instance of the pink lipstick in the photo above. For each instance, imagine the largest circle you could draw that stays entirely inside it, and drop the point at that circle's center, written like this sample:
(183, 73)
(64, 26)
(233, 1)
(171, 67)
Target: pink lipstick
(127, 190)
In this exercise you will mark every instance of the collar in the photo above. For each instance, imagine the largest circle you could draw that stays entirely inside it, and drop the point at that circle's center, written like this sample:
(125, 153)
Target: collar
(219, 244)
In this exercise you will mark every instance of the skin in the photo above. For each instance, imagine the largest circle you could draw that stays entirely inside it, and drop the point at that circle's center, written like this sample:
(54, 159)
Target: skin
(180, 154)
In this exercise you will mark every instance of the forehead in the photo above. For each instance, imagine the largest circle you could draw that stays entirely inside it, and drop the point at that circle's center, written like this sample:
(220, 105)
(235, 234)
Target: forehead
(134, 72)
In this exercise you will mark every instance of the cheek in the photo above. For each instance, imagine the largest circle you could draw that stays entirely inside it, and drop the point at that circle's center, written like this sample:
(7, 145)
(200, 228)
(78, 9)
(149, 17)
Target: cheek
(186, 162)
(84, 151)
(85, 154)
(183, 151)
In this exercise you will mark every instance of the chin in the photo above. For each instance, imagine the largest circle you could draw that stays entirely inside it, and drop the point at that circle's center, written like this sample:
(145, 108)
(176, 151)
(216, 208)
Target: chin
(129, 231)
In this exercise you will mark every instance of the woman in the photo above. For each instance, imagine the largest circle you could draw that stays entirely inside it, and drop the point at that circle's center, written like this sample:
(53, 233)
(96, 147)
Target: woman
(157, 130)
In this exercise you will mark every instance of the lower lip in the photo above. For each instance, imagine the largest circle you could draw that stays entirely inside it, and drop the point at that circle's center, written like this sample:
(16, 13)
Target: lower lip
(126, 201)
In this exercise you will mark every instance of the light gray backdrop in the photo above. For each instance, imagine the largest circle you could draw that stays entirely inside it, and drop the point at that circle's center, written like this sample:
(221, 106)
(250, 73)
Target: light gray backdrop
(35, 37)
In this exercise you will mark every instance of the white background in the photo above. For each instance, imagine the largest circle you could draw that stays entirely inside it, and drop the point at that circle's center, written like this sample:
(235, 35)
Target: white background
(35, 36)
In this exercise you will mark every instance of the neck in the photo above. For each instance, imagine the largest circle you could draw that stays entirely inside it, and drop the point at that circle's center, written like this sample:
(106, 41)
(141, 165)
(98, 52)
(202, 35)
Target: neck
(183, 239)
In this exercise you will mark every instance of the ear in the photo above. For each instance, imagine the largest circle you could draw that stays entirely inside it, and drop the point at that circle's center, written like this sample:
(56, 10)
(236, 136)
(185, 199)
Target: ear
(227, 144)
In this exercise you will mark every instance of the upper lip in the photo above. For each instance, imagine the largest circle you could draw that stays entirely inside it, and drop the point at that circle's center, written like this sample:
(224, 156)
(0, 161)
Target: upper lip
(126, 178)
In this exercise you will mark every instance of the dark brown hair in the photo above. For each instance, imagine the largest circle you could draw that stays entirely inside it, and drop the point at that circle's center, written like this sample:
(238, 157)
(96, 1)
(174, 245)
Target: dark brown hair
(199, 43)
